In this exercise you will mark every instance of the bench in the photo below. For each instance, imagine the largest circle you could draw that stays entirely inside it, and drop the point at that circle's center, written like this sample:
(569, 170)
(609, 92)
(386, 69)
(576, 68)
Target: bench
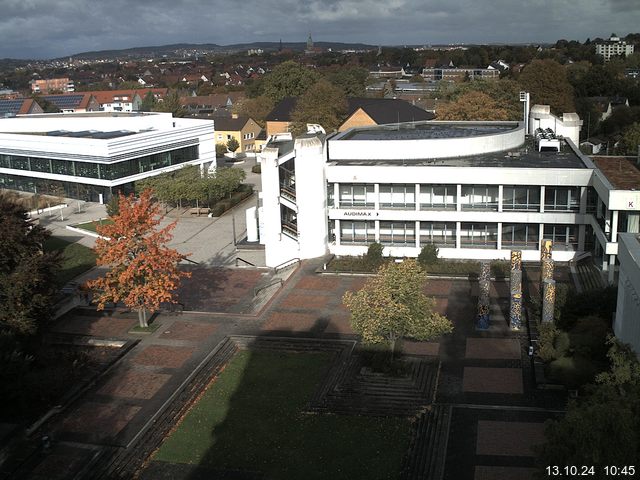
(199, 211)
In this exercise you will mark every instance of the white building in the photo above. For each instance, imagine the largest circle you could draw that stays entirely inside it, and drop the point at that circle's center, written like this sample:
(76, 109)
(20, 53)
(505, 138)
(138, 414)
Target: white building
(474, 189)
(90, 156)
(613, 47)
(627, 322)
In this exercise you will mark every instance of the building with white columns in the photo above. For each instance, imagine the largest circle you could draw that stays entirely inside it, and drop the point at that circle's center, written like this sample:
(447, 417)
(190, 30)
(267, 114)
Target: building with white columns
(477, 190)
(626, 325)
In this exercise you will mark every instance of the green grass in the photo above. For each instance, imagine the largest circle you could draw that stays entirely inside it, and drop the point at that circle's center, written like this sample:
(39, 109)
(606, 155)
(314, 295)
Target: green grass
(150, 329)
(91, 226)
(76, 258)
(251, 418)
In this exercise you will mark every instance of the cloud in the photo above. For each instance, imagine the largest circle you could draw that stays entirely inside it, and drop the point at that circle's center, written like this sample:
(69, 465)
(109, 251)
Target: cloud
(45, 28)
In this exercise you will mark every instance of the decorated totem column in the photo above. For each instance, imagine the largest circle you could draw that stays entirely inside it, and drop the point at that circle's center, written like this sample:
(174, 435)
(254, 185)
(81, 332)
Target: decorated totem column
(515, 307)
(548, 300)
(483, 319)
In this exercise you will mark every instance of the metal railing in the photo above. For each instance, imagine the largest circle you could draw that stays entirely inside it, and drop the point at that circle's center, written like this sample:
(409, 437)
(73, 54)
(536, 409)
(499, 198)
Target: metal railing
(257, 290)
(239, 259)
(286, 264)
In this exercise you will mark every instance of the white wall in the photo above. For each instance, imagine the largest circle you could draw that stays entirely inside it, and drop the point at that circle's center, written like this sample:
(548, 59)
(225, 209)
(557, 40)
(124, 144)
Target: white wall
(627, 320)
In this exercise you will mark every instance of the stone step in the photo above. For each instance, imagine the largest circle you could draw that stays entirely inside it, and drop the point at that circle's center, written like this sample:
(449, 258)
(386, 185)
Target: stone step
(427, 453)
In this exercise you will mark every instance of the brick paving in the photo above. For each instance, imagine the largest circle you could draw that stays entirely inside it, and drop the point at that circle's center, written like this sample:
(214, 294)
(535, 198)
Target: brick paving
(482, 368)
(492, 380)
(513, 439)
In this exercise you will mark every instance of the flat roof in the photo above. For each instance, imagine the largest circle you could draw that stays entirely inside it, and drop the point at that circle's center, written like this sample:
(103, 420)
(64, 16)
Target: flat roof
(90, 134)
(622, 172)
(526, 156)
(423, 131)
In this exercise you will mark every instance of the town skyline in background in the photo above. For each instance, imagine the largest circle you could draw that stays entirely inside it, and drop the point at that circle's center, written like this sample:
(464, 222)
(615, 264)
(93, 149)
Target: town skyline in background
(41, 30)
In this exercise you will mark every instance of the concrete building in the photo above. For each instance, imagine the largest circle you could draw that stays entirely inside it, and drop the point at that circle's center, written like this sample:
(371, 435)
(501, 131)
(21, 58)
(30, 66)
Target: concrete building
(626, 325)
(613, 47)
(52, 85)
(476, 190)
(91, 156)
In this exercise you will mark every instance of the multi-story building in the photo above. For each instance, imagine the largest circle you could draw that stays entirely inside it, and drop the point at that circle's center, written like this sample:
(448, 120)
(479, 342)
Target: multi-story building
(613, 47)
(474, 189)
(626, 325)
(91, 156)
(52, 85)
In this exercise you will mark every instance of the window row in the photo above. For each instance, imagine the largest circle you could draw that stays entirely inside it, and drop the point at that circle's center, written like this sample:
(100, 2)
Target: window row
(445, 197)
(522, 236)
(102, 171)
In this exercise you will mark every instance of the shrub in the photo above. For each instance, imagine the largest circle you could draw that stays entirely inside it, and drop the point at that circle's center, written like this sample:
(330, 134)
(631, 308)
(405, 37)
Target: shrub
(589, 337)
(217, 210)
(561, 344)
(256, 169)
(547, 338)
(428, 255)
(500, 269)
(373, 256)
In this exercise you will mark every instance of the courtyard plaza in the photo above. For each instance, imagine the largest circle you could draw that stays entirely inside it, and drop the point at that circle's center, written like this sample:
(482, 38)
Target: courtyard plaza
(484, 386)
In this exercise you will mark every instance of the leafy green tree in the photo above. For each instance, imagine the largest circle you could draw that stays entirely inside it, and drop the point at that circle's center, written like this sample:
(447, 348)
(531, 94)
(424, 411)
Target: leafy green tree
(600, 428)
(113, 206)
(351, 80)
(170, 104)
(504, 94)
(323, 103)
(631, 139)
(289, 79)
(374, 257)
(149, 102)
(392, 305)
(233, 145)
(548, 84)
(221, 149)
(26, 287)
(428, 255)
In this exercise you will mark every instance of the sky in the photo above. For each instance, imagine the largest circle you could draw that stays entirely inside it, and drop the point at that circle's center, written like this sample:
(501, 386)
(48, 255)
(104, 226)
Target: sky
(42, 29)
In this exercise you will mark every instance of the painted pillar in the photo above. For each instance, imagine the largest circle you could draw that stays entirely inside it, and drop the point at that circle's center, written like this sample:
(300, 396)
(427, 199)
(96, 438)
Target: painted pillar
(515, 307)
(483, 319)
(548, 300)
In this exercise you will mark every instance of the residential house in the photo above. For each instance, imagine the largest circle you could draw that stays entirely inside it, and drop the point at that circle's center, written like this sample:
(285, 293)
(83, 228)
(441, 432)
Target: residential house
(119, 100)
(215, 105)
(242, 128)
(52, 85)
(19, 106)
(606, 105)
(74, 102)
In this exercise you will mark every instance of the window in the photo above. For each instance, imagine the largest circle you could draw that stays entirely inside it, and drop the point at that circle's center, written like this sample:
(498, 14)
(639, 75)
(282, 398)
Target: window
(592, 200)
(520, 235)
(289, 222)
(398, 233)
(562, 199)
(361, 196)
(398, 196)
(563, 236)
(330, 190)
(440, 234)
(479, 197)
(358, 233)
(479, 235)
(521, 198)
(438, 197)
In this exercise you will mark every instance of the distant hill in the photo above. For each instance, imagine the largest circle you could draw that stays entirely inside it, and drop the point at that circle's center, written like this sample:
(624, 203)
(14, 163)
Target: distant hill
(181, 48)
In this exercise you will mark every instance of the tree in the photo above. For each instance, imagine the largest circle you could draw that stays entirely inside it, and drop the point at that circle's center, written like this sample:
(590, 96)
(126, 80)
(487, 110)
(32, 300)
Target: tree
(171, 104)
(352, 80)
(289, 79)
(221, 149)
(26, 288)
(233, 145)
(548, 84)
(504, 94)
(149, 102)
(631, 139)
(143, 271)
(392, 305)
(113, 206)
(428, 255)
(473, 106)
(256, 108)
(600, 428)
(323, 103)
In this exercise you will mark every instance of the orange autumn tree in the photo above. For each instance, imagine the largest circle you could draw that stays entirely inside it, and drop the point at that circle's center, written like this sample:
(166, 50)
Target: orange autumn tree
(143, 271)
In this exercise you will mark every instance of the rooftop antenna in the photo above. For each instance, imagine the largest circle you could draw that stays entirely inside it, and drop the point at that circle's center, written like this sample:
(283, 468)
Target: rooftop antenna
(524, 98)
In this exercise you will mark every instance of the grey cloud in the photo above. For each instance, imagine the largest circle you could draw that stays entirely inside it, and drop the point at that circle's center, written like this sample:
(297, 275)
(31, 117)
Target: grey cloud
(45, 28)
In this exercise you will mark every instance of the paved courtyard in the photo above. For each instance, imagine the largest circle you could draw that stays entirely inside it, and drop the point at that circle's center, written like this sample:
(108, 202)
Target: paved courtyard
(484, 376)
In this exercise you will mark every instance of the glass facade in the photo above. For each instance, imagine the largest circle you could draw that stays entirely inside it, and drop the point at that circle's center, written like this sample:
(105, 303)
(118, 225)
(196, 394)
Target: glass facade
(521, 198)
(438, 233)
(398, 233)
(79, 191)
(562, 199)
(360, 196)
(524, 236)
(398, 196)
(438, 197)
(357, 233)
(479, 235)
(102, 171)
(479, 197)
(564, 237)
